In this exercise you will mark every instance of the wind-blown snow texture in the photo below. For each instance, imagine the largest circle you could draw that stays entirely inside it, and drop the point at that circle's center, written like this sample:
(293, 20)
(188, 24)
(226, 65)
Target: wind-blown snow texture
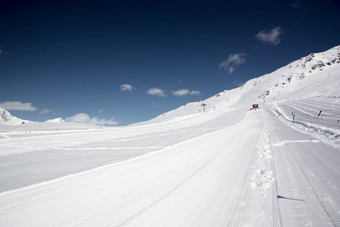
(209, 163)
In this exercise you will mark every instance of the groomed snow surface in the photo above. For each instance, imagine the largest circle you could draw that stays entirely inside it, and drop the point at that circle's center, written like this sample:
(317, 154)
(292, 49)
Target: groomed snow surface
(256, 171)
(227, 166)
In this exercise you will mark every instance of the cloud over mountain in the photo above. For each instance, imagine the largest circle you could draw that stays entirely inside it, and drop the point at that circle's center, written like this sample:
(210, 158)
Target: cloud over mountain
(86, 119)
(17, 105)
(233, 61)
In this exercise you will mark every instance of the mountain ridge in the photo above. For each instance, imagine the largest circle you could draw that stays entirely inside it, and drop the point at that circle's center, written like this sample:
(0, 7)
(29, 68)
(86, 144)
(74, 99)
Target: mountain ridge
(6, 118)
(304, 73)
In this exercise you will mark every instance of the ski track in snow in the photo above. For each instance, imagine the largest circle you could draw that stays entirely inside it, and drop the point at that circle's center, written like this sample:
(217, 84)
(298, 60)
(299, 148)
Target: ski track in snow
(162, 185)
(307, 176)
(255, 172)
(30, 159)
(252, 173)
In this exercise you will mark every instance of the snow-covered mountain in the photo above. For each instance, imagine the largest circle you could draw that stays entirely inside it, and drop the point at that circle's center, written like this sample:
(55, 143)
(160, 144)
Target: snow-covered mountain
(312, 76)
(58, 120)
(302, 75)
(7, 119)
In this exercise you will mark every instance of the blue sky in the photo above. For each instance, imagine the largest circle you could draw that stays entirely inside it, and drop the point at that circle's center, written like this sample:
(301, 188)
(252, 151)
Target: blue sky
(63, 58)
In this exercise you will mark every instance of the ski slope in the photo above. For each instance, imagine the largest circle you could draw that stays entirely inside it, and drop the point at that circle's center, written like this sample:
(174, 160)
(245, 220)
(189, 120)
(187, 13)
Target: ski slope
(32, 157)
(227, 166)
(258, 171)
(307, 173)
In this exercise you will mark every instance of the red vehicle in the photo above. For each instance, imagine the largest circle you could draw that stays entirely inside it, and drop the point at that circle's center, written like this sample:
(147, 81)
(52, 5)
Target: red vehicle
(255, 107)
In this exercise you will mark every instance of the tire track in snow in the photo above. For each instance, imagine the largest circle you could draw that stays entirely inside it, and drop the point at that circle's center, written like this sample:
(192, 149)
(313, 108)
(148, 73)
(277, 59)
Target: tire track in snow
(312, 189)
(260, 183)
(256, 203)
(306, 196)
(169, 192)
(322, 185)
(43, 164)
(126, 193)
(243, 192)
(293, 210)
(234, 156)
(62, 191)
(276, 211)
(135, 215)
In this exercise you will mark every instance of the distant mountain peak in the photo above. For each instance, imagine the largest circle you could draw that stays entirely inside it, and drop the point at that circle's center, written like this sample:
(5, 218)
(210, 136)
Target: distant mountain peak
(7, 119)
(58, 120)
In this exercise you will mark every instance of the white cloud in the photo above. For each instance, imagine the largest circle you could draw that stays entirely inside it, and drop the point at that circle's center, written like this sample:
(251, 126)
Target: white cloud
(17, 105)
(156, 92)
(270, 37)
(195, 92)
(180, 92)
(45, 111)
(85, 118)
(126, 87)
(233, 61)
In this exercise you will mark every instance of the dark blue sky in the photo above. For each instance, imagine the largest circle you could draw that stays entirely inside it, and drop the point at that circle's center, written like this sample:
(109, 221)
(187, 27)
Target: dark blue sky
(62, 58)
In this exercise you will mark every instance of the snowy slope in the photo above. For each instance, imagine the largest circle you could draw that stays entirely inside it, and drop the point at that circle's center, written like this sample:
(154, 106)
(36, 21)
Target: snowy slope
(58, 120)
(7, 119)
(314, 75)
(225, 166)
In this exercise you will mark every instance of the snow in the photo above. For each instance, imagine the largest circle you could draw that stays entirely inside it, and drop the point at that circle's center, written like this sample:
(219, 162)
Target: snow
(225, 166)
(7, 119)
(58, 120)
